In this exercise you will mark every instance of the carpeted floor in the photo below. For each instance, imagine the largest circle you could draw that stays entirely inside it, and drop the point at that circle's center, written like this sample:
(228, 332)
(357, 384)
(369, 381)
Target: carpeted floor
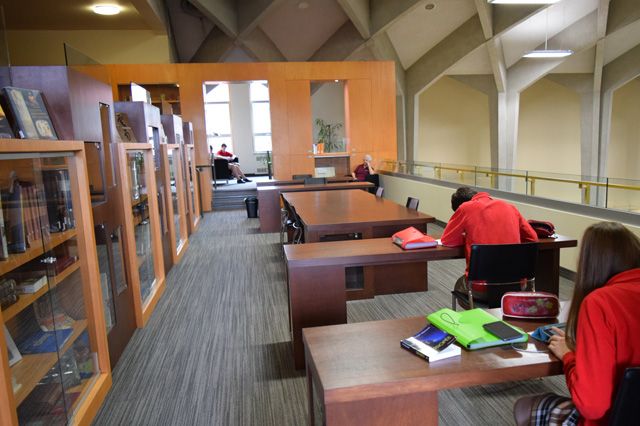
(216, 350)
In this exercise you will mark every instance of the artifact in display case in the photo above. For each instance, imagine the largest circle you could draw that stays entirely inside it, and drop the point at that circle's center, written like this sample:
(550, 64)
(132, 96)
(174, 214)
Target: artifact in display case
(175, 201)
(27, 112)
(54, 331)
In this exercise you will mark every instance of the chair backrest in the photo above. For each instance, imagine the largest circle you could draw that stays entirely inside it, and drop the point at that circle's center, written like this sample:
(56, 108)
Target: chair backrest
(625, 407)
(379, 191)
(412, 203)
(503, 263)
(300, 177)
(314, 181)
(503, 267)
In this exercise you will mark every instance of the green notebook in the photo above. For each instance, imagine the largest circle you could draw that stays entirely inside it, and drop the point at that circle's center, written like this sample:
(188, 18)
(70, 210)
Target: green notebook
(467, 327)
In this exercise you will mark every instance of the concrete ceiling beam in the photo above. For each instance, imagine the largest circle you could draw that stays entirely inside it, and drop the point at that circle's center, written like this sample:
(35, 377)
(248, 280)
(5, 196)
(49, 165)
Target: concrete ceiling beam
(153, 13)
(340, 45)
(214, 48)
(385, 12)
(187, 30)
(250, 12)
(622, 13)
(359, 14)
(260, 47)
(221, 12)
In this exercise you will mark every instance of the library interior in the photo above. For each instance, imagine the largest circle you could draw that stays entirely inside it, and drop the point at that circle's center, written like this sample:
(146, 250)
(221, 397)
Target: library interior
(322, 212)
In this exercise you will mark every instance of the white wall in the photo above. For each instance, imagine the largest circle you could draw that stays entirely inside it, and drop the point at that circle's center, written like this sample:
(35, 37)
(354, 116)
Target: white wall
(453, 124)
(327, 103)
(241, 126)
(436, 201)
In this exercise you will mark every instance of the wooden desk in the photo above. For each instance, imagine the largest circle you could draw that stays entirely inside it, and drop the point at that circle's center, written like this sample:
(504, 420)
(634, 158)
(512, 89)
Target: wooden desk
(334, 179)
(363, 377)
(269, 199)
(316, 276)
(328, 213)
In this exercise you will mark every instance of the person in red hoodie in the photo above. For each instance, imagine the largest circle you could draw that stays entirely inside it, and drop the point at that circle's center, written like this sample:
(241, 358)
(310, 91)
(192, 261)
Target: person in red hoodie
(479, 219)
(602, 334)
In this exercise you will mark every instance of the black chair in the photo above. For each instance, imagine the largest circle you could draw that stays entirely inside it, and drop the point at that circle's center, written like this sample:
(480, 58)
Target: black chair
(315, 180)
(221, 171)
(290, 226)
(625, 407)
(375, 180)
(412, 203)
(300, 177)
(504, 267)
(379, 191)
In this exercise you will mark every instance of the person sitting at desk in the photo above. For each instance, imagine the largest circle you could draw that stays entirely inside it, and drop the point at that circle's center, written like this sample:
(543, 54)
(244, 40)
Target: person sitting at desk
(602, 331)
(233, 165)
(479, 219)
(363, 170)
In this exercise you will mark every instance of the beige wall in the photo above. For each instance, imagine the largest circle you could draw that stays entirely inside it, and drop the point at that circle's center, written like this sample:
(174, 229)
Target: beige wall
(436, 201)
(106, 47)
(623, 160)
(453, 124)
(549, 136)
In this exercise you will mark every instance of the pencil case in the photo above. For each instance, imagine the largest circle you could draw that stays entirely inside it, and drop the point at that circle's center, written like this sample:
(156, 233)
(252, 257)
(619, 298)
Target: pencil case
(530, 304)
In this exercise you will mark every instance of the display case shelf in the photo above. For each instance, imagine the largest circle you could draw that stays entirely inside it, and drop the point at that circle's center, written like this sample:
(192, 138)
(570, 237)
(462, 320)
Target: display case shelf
(32, 368)
(18, 259)
(25, 300)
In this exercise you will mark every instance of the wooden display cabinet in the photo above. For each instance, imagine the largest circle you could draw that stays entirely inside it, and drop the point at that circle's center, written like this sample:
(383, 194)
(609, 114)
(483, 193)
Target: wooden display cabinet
(163, 96)
(191, 177)
(175, 199)
(143, 241)
(54, 359)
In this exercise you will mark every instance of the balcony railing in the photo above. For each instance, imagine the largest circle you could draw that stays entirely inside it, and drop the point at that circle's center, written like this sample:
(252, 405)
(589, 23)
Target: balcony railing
(612, 193)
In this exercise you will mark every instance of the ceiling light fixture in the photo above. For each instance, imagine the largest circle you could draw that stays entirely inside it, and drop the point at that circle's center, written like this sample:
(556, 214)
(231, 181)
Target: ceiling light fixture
(429, 6)
(547, 53)
(523, 1)
(107, 9)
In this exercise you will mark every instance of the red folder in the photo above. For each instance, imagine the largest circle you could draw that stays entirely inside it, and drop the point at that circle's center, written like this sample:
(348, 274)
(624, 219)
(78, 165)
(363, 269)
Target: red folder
(411, 238)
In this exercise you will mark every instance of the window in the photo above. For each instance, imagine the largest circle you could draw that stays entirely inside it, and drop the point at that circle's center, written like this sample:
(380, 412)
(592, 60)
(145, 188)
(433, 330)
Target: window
(261, 116)
(217, 116)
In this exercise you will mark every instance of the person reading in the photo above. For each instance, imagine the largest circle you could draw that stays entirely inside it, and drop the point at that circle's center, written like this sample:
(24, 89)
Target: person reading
(233, 165)
(479, 219)
(602, 333)
(363, 170)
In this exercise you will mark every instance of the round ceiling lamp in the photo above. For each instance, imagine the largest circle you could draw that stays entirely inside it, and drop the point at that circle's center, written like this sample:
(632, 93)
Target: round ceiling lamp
(107, 9)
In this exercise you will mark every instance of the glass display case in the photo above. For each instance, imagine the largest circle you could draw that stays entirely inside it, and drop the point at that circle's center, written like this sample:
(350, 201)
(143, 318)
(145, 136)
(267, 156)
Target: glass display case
(142, 228)
(191, 185)
(53, 340)
(175, 202)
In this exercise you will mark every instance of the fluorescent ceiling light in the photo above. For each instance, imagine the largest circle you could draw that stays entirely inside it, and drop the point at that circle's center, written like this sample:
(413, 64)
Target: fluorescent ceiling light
(106, 9)
(545, 53)
(523, 1)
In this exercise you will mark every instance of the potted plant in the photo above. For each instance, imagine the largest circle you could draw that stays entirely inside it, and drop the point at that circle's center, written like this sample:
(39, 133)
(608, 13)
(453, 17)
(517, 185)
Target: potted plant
(326, 134)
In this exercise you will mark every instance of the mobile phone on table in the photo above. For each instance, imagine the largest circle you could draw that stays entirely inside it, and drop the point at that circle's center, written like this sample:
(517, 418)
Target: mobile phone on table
(549, 331)
(502, 330)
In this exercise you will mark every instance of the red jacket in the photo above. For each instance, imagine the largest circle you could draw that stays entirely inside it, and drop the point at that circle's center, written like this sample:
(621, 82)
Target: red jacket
(607, 341)
(484, 220)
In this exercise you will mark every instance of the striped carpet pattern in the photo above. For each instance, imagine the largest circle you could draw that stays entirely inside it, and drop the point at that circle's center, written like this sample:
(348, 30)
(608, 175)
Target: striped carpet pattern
(216, 350)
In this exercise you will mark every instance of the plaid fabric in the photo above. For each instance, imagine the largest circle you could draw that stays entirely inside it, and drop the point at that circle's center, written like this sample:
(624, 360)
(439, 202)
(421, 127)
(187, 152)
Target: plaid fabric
(553, 410)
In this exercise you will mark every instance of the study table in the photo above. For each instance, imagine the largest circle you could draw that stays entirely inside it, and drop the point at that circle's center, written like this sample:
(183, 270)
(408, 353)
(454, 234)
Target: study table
(316, 276)
(363, 376)
(327, 214)
(333, 179)
(269, 199)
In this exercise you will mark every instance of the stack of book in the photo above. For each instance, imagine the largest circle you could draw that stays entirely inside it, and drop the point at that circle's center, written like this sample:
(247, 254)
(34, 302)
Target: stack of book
(8, 294)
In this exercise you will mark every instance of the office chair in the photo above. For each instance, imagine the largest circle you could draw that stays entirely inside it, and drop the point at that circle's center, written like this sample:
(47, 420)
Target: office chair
(624, 411)
(379, 191)
(412, 203)
(495, 269)
(314, 181)
(300, 177)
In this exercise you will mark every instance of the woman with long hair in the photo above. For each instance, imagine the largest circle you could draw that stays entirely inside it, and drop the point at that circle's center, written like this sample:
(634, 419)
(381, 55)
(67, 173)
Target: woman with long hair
(602, 334)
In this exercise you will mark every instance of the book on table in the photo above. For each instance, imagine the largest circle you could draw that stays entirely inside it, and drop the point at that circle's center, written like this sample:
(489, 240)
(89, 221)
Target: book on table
(432, 344)
(411, 238)
(468, 328)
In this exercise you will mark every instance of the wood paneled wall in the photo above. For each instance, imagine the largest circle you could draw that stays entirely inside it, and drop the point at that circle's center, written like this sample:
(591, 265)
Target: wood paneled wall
(370, 104)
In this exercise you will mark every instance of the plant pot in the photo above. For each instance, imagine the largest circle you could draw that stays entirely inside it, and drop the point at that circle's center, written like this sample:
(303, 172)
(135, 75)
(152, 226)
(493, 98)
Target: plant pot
(320, 147)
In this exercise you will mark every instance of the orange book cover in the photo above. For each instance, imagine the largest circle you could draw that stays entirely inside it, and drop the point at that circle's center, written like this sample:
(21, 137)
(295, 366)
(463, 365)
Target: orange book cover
(411, 238)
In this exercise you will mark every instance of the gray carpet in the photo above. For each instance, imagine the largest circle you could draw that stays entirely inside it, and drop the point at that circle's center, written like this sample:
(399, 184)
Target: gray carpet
(216, 350)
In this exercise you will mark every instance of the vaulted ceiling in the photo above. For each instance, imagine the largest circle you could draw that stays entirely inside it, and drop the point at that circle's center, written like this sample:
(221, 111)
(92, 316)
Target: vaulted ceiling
(406, 31)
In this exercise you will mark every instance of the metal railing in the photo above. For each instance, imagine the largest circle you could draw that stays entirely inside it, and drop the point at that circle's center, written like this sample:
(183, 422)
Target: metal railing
(613, 193)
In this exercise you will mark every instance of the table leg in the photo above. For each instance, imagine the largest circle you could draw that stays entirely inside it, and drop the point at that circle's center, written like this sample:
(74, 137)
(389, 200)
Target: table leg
(317, 297)
(407, 410)
(548, 271)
